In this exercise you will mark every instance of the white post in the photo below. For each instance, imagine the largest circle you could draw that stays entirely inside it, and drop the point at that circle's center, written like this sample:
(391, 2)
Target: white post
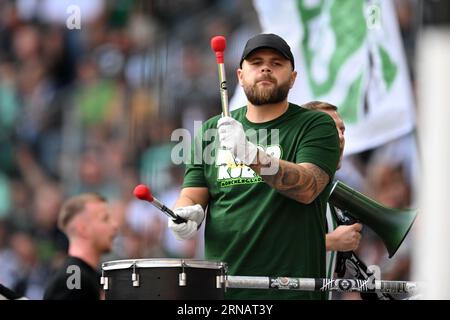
(432, 247)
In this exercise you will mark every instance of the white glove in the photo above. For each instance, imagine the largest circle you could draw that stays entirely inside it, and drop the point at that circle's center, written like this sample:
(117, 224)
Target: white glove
(232, 137)
(186, 230)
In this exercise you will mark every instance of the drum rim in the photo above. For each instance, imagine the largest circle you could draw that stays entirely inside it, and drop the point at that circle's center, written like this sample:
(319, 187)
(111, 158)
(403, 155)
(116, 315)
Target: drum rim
(162, 263)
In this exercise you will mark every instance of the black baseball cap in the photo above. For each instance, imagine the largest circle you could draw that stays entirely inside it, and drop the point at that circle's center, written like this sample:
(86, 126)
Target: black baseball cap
(268, 40)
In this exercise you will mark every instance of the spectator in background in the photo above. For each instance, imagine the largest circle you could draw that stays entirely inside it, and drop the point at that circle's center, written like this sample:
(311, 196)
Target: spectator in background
(9, 113)
(51, 243)
(86, 221)
(342, 238)
(338, 238)
(5, 203)
(30, 273)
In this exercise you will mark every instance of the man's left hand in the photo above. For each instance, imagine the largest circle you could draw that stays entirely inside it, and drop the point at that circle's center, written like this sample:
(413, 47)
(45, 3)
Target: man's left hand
(344, 238)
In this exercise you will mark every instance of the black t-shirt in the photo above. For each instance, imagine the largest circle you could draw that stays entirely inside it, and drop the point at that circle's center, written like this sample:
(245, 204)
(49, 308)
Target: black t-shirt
(76, 280)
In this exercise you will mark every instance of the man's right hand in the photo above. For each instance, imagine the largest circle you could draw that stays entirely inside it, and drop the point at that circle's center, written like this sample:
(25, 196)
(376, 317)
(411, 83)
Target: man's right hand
(344, 238)
(194, 216)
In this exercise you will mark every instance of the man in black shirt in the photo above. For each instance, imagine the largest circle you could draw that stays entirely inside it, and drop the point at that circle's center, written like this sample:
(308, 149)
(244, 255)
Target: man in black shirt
(86, 221)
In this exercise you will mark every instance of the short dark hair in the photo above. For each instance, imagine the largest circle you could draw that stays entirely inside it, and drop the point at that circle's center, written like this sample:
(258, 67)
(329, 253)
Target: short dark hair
(75, 205)
(319, 105)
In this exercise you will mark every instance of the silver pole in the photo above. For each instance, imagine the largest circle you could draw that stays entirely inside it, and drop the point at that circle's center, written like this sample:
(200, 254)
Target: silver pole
(223, 90)
(321, 284)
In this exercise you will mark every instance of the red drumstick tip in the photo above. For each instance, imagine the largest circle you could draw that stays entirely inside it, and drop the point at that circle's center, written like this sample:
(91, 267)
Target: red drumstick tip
(143, 192)
(218, 44)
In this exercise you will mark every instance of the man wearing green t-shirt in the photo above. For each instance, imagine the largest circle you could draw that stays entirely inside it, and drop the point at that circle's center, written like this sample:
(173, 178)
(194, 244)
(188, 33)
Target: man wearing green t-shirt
(266, 206)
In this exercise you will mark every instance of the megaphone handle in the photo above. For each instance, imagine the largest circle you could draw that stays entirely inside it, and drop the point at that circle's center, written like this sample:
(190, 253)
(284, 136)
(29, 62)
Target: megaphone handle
(350, 220)
(343, 217)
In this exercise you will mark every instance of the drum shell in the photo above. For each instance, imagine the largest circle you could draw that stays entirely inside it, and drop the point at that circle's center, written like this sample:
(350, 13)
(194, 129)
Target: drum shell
(162, 283)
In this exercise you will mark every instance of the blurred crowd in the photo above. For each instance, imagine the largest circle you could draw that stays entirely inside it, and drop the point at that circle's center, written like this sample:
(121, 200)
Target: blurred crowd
(93, 109)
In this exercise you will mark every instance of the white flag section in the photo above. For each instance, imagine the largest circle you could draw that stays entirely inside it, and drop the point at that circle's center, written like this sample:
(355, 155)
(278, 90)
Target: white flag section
(350, 54)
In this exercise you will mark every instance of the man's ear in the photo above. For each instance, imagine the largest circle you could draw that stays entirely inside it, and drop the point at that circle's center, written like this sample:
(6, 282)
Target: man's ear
(80, 227)
(239, 75)
(292, 80)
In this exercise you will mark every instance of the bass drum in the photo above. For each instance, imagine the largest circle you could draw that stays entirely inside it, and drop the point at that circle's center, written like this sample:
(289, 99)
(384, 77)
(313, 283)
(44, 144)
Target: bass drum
(163, 279)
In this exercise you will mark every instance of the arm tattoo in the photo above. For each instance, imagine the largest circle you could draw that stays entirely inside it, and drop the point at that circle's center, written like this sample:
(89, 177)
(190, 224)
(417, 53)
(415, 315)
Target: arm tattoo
(302, 182)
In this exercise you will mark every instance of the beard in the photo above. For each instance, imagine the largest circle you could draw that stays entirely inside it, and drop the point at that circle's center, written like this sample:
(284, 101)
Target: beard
(261, 95)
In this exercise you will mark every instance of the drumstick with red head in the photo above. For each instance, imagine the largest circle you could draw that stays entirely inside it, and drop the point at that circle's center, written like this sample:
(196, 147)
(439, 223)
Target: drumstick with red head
(218, 45)
(143, 192)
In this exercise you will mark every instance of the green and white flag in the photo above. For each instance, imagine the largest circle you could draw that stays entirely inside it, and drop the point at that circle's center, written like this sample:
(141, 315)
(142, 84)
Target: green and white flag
(348, 53)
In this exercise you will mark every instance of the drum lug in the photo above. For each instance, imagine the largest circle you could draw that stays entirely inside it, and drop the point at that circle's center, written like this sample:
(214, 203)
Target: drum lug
(104, 281)
(182, 279)
(221, 281)
(182, 276)
(135, 277)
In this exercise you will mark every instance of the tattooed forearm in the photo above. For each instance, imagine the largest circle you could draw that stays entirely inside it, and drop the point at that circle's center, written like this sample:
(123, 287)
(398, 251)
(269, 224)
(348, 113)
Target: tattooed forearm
(301, 182)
